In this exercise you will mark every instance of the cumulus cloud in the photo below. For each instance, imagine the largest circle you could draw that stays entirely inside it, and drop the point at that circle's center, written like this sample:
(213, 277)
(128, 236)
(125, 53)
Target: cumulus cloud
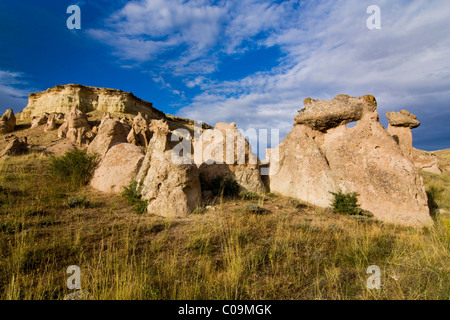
(325, 46)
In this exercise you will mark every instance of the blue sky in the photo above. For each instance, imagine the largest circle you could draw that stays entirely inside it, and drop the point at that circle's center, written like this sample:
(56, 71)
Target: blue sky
(250, 62)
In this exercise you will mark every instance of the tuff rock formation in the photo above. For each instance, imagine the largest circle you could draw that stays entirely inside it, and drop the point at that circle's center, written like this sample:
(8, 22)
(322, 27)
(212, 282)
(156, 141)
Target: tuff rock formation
(241, 165)
(322, 155)
(16, 146)
(118, 168)
(7, 121)
(110, 133)
(140, 133)
(63, 98)
(51, 123)
(39, 120)
(75, 127)
(400, 126)
(172, 190)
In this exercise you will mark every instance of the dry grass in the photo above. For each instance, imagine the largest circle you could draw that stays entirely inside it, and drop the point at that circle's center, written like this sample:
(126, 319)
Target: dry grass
(292, 251)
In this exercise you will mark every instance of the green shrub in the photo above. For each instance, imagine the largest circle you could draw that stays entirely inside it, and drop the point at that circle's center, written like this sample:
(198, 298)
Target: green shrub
(77, 202)
(346, 203)
(247, 195)
(255, 209)
(134, 197)
(75, 167)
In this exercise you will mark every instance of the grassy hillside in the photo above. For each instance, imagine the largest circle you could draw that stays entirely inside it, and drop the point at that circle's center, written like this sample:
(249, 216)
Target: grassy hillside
(288, 250)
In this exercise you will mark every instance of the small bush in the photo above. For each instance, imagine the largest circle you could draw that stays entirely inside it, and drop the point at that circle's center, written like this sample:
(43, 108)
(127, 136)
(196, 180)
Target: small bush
(74, 167)
(77, 202)
(247, 195)
(346, 203)
(297, 204)
(255, 209)
(134, 197)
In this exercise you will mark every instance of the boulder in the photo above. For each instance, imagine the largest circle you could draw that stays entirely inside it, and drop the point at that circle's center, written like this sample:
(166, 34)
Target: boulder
(51, 123)
(75, 127)
(241, 164)
(7, 121)
(16, 147)
(110, 133)
(118, 168)
(402, 119)
(172, 190)
(318, 157)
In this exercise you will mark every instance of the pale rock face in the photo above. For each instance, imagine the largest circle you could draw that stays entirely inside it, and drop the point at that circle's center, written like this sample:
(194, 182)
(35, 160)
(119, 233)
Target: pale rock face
(7, 121)
(363, 159)
(404, 138)
(140, 133)
(39, 120)
(63, 98)
(110, 133)
(51, 123)
(172, 190)
(242, 165)
(425, 161)
(75, 127)
(118, 168)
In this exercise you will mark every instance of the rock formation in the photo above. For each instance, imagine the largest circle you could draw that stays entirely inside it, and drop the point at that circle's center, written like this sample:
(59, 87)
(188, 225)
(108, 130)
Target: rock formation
(75, 127)
(118, 168)
(241, 165)
(400, 126)
(110, 133)
(39, 120)
(140, 133)
(63, 98)
(51, 123)
(322, 155)
(7, 122)
(16, 146)
(172, 190)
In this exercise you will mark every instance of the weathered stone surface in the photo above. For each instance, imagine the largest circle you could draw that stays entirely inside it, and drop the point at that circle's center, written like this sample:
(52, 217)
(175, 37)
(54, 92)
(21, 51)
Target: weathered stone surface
(402, 119)
(172, 190)
(140, 133)
(7, 121)
(363, 159)
(39, 120)
(241, 165)
(426, 161)
(75, 127)
(63, 98)
(110, 133)
(118, 168)
(51, 123)
(400, 125)
(323, 115)
(16, 146)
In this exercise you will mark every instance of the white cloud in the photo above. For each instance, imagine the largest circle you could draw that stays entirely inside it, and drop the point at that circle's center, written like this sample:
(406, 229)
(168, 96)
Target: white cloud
(330, 51)
(11, 96)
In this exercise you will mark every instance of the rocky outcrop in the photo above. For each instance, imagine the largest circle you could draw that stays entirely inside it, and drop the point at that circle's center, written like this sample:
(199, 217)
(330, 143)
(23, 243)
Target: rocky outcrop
(39, 120)
(400, 126)
(240, 164)
(63, 98)
(172, 190)
(118, 168)
(140, 133)
(110, 133)
(322, 155)
(7, 121)
(75, 127)
(16, 146)
(51, 123)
